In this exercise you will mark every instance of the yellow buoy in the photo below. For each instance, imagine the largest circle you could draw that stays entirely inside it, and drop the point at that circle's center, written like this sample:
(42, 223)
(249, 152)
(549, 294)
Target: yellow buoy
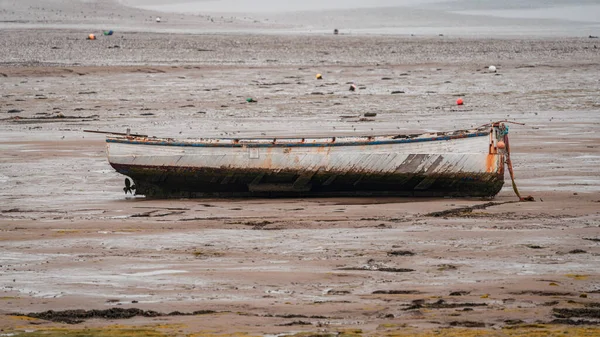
(319, 77)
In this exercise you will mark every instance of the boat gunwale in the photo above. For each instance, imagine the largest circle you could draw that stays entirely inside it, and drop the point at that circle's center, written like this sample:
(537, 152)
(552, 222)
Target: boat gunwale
(295, 142)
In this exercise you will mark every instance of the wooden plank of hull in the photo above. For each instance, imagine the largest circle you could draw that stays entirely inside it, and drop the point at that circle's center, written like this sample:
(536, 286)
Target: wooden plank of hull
(460, 166)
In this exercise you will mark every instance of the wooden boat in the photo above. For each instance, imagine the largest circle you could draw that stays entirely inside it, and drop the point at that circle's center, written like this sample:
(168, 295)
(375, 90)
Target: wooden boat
(463, 163)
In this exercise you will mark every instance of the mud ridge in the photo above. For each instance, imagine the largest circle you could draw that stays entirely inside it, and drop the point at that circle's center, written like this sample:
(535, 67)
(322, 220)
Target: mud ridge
(396, 292)
(401, 253)
(543, 293)
(576, 312)
(441, 304)
(80, 315)
(573, 322)
(386, 269)
(295, 323)
(463, 211)
(297, 316)
(49, 119)
(468, 324)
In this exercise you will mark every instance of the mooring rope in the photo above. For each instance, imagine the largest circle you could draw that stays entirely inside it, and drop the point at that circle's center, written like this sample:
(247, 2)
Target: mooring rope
(510, 168)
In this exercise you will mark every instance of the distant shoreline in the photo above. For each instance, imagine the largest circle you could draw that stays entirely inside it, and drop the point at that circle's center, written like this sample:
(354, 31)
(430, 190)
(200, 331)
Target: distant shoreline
(404, 18)
(424, 21)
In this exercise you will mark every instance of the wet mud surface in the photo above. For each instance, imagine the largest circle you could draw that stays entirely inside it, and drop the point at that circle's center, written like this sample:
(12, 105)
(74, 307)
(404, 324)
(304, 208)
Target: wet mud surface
(72, 241)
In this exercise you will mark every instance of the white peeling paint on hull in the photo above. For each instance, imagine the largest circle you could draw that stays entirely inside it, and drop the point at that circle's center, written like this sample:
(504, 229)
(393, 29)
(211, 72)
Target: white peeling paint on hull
(455, 164)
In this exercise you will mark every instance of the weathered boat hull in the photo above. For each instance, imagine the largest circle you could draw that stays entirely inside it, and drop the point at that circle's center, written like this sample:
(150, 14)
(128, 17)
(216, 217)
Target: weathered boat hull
(460, 164)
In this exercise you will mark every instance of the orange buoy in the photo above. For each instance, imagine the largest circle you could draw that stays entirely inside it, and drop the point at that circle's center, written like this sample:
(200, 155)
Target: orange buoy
(91, 37)
(501, 145)
(459, 101)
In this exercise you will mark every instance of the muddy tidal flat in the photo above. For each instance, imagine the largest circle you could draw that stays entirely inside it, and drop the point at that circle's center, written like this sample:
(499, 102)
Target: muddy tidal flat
(117, 264)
